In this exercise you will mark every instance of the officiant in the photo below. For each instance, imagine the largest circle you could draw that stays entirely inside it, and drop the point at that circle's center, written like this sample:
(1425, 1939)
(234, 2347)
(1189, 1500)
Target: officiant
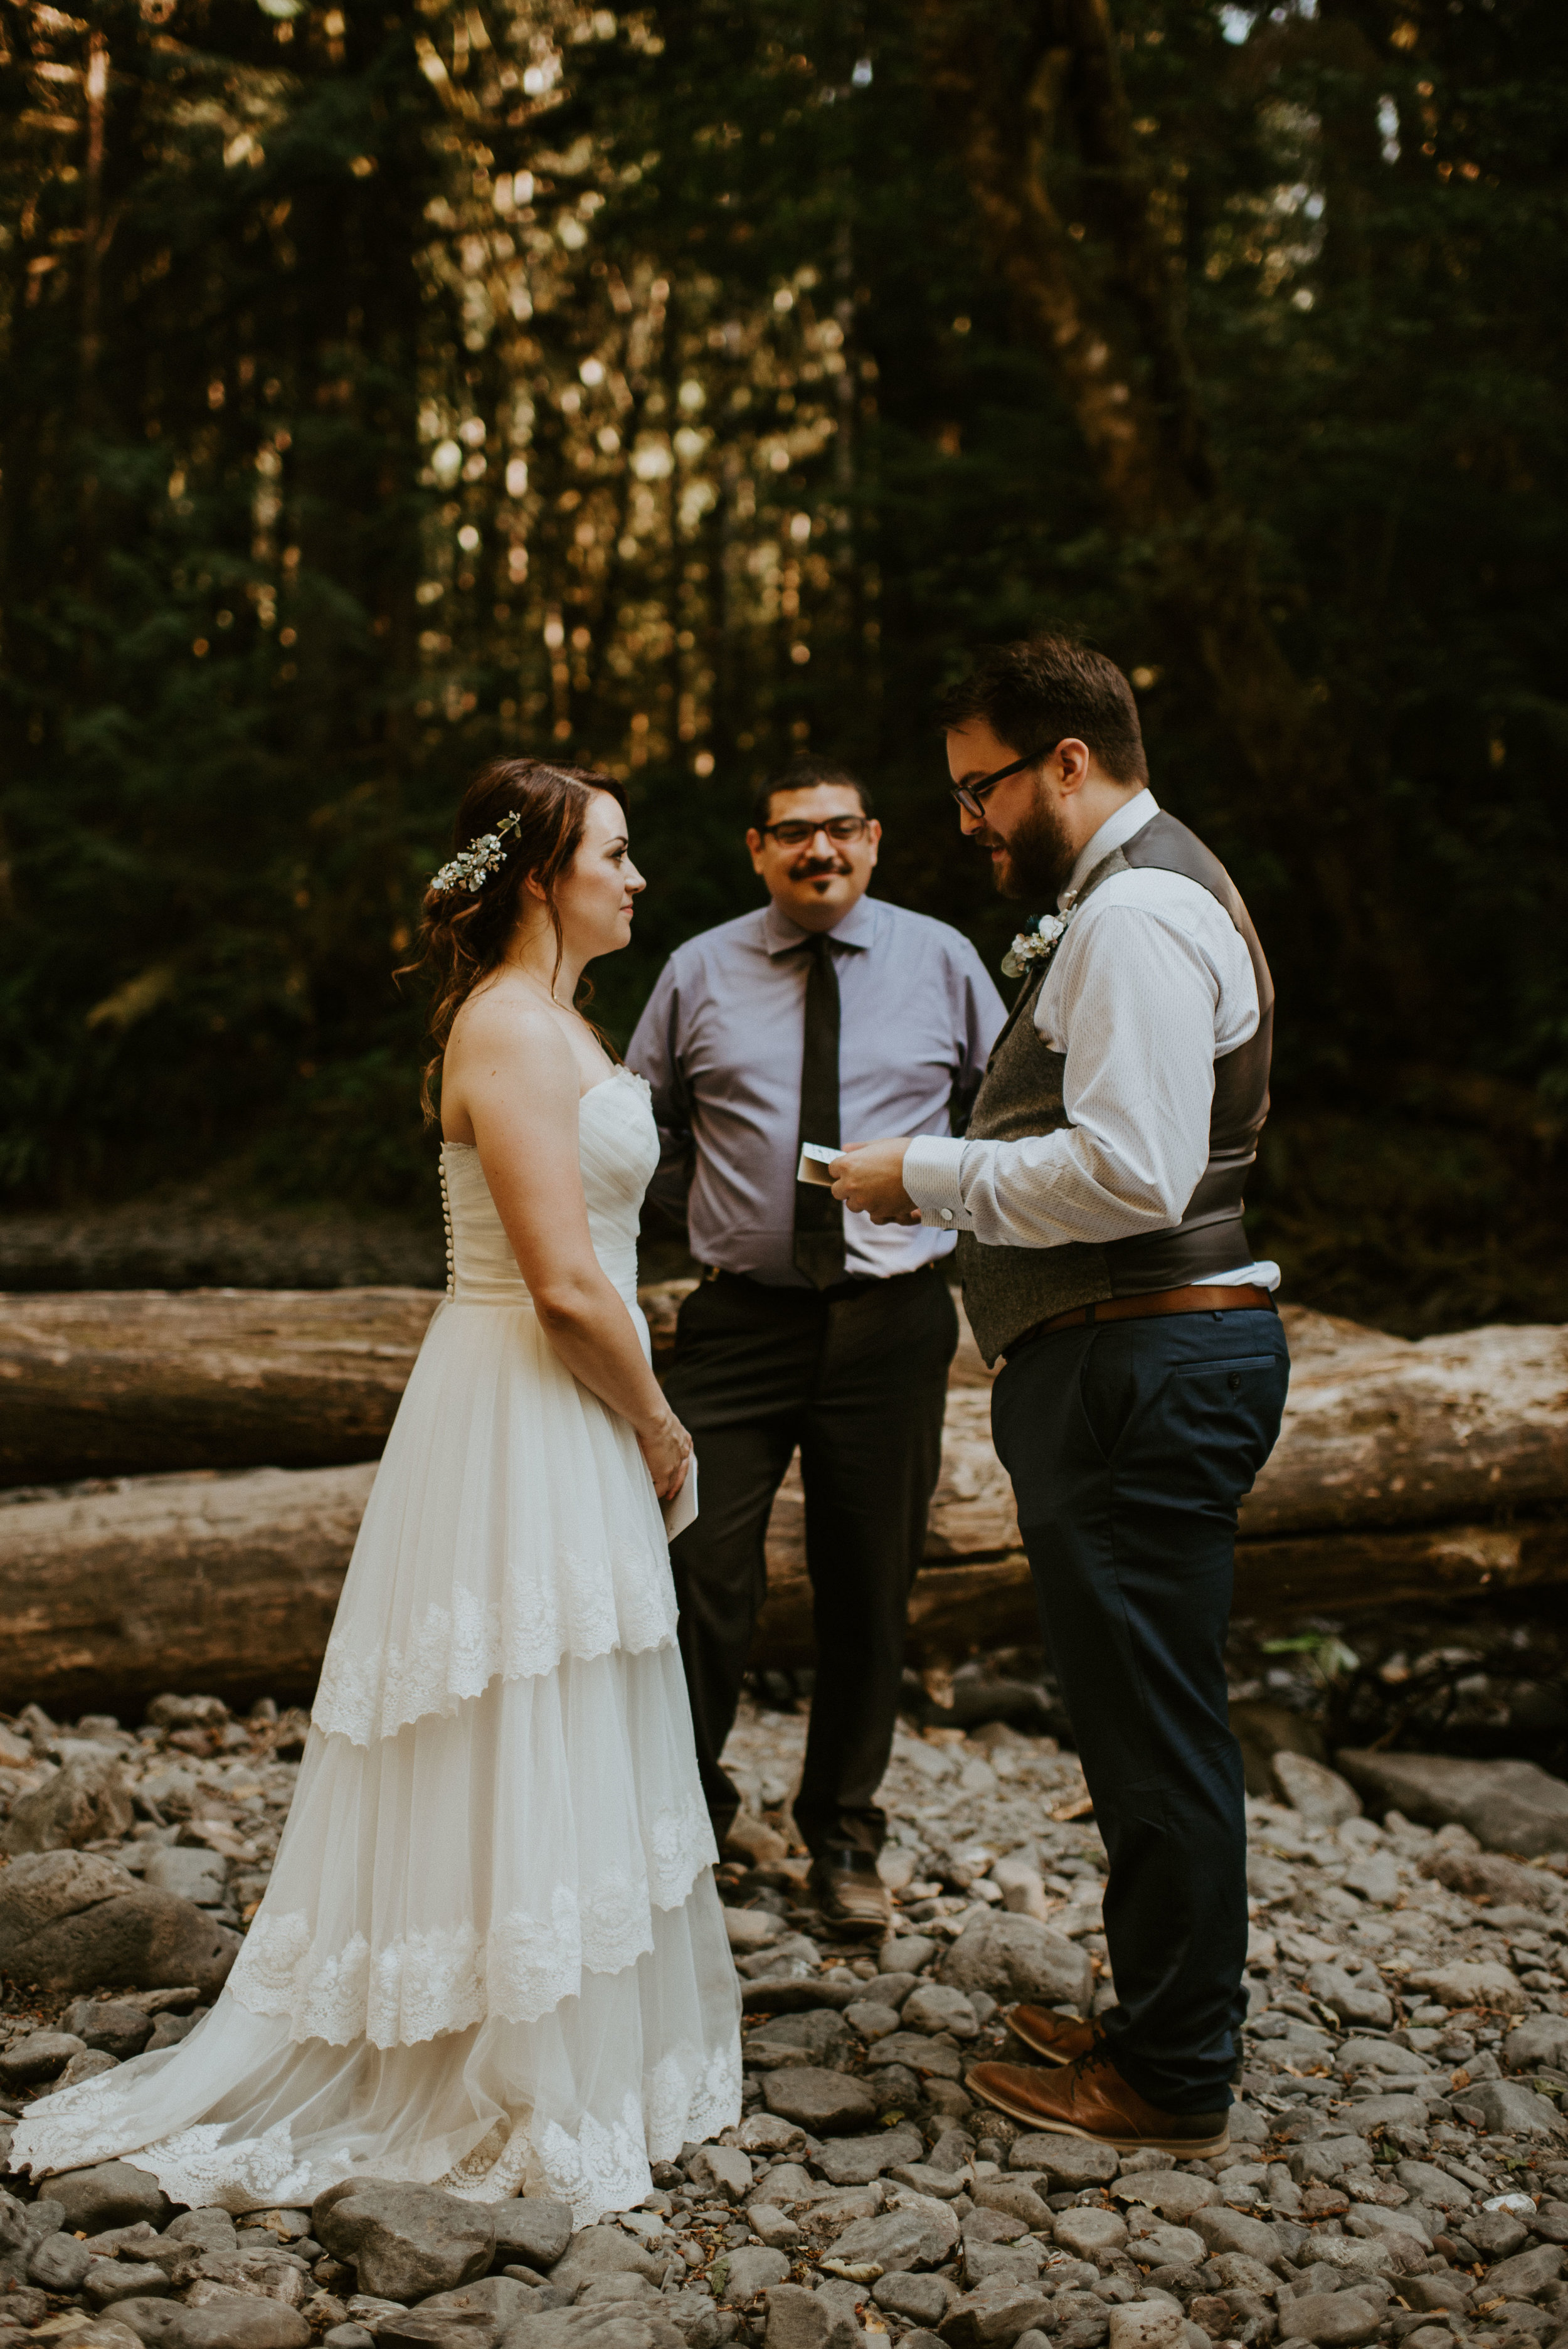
(826, 1016)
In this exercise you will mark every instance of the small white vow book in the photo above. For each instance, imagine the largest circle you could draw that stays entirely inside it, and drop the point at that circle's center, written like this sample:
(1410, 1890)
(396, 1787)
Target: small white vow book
(816, 1157)
(682, 1511)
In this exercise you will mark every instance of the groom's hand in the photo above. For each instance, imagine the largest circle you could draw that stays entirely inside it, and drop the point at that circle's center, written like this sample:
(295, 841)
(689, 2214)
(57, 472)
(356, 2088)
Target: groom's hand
(869, 1179)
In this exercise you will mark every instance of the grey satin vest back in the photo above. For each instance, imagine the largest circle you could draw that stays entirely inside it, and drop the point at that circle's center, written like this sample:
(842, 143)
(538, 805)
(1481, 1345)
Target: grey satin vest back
(1007, 1291)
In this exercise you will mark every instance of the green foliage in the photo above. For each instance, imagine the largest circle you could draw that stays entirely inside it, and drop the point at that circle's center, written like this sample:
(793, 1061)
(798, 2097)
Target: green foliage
(211, 820)
(386, 388)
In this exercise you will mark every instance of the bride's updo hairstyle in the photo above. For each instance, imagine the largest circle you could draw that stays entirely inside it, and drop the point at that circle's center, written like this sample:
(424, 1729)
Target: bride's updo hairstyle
(534, 815)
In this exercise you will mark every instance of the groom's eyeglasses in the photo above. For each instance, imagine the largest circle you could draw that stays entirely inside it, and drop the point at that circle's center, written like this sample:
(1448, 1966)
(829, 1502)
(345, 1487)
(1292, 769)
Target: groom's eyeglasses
(969, 795)
(793, 834)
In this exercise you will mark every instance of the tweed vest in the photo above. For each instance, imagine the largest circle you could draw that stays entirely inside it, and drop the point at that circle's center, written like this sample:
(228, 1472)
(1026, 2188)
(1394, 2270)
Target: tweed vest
(1007, 1291)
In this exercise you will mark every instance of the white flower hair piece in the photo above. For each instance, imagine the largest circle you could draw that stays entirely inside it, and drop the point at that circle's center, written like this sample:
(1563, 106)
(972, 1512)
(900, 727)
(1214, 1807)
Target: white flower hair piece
(1038, 944)
(472, 869)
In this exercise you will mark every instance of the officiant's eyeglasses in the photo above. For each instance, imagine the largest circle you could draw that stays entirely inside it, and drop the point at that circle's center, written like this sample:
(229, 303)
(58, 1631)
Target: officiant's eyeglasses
(969, 795)
(794, 833)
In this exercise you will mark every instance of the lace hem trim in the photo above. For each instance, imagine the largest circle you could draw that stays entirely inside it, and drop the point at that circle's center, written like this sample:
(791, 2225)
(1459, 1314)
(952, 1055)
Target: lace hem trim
(453, 1652)
(603, 2167)
(193, 2167)
(449, 1979)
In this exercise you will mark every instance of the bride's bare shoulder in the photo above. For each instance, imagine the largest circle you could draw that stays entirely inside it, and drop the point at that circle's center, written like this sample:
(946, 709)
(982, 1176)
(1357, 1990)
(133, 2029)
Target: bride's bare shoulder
(506, 1023)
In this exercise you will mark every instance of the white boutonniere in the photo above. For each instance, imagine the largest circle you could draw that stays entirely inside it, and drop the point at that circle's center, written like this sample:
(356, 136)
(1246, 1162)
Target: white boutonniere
(1035, 946)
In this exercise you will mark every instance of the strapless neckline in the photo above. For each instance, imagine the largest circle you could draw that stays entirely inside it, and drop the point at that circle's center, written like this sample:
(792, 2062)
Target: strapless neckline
(618, 1150)
(630, 1074)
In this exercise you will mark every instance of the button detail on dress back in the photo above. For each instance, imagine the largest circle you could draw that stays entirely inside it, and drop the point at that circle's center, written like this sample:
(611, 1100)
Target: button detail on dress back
(446, 1226)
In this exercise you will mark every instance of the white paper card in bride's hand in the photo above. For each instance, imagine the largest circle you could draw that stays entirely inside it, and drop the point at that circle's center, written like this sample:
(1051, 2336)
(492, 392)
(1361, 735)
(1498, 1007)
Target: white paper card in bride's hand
(682, 1511)
(816, 1157)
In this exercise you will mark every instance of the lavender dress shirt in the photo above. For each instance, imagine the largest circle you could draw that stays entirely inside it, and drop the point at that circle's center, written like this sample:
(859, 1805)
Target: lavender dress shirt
(721, 1041)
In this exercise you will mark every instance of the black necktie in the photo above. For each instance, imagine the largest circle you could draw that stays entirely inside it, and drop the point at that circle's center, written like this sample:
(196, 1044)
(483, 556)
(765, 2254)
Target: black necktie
(819, 1216)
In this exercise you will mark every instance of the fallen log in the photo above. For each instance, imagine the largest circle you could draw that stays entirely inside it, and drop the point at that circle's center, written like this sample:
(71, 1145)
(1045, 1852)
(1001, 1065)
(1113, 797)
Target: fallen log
(145, 1382)
(224, 1584)
(1378, 1431)
(1378, 1434)
(131, 1382)
(981, 1603)
(227, 1584)
(1383, 1431)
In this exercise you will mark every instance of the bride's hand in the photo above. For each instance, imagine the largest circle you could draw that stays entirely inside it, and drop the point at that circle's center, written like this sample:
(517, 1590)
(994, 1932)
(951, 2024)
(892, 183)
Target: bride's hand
(666, 1447)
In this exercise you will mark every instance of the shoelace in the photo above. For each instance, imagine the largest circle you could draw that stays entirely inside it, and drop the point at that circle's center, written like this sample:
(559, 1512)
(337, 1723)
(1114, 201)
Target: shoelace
(1096, 2057)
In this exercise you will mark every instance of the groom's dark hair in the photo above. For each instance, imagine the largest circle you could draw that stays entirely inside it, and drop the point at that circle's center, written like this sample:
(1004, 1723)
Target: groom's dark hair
(1042, 689)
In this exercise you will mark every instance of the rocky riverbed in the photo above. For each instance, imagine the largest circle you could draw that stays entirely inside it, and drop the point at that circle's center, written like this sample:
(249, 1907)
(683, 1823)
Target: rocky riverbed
(1398, 2165)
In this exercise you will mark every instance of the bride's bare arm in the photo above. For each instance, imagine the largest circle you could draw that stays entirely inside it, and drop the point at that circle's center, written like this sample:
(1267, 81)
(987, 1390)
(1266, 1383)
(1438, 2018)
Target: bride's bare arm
(516, 1079)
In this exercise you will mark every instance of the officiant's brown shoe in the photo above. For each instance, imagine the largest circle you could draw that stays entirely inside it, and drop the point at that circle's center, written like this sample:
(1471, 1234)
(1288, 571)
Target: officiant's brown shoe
(1089, 2098)
(849, 1893)
(1057, 2038)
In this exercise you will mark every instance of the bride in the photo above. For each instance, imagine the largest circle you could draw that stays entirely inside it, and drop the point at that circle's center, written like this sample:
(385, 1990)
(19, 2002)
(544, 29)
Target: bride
(492, 1953)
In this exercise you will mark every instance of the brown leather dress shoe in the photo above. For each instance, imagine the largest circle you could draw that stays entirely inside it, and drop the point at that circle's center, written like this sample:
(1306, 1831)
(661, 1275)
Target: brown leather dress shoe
(1089, 2098)
(851, 1895)
(1059, 2038)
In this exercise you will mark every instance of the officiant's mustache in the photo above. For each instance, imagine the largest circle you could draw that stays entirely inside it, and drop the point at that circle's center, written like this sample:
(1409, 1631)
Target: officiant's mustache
(817, 868)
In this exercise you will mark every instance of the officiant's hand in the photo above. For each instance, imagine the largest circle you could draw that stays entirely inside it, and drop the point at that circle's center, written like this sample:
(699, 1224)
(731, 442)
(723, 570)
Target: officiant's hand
(869, 1179)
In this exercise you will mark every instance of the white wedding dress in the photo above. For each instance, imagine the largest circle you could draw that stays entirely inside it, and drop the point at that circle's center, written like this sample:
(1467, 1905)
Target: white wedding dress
(492, 1954)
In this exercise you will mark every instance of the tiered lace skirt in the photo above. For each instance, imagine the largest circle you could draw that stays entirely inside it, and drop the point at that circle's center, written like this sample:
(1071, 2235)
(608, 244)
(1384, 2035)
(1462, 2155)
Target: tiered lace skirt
(492, 1954)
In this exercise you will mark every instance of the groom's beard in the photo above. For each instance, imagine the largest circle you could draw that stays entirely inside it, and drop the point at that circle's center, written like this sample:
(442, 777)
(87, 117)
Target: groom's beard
(1038, 857)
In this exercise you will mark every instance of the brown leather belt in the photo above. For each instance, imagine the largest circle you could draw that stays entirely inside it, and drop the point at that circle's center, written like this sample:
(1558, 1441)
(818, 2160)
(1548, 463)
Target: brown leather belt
(1193, 1299)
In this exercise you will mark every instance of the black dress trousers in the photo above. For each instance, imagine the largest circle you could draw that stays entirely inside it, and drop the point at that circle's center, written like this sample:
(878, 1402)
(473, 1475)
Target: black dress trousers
(1130, 1445)
(856, 1376)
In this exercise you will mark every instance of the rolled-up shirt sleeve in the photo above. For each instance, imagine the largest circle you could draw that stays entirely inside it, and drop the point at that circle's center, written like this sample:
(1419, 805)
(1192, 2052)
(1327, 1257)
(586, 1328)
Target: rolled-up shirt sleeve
(653, 1052)
(1133, 995)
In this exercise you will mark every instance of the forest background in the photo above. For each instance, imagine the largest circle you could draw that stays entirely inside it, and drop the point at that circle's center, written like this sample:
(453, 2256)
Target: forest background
(392, 383)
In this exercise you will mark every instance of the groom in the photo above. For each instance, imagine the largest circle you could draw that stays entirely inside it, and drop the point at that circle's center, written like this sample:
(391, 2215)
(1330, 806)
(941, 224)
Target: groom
(1098, 1199)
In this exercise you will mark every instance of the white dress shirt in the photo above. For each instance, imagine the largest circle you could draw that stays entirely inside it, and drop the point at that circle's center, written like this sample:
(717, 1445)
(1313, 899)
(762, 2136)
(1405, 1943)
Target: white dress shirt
(1150, 985)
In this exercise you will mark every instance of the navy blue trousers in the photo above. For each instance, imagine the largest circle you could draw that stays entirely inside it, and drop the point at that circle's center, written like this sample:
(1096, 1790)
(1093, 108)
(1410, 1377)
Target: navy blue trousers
(1129, 1444)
